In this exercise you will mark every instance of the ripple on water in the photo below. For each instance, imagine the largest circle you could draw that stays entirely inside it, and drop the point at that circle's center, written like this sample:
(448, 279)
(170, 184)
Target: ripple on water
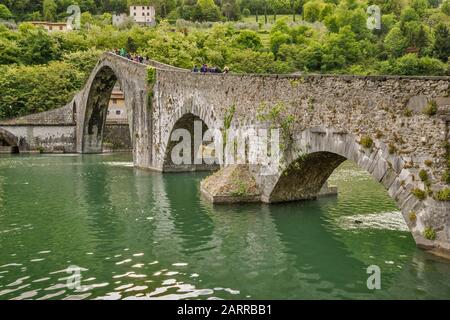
(384, 221)
(119, 164)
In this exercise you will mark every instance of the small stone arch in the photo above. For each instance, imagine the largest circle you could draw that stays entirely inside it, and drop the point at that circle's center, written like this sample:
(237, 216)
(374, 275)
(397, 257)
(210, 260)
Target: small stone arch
(195, 125)
(7, 139)
(316, 153)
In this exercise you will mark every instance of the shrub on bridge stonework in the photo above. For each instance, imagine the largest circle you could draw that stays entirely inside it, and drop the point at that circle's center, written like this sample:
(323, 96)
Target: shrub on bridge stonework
(423, 175)
(446, 176)
(151, 78)
(428, 163)
(392, 148)
(407, 112)
(366, 142)
(419, 193)
(429, 233)
(431, 108)
(443, 195)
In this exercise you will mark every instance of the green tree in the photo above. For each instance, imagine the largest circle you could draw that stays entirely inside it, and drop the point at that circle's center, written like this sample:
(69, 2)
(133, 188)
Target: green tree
(49, 10)
(409, 14)
(389, 6)
(411, 64)
(248, 39)
(37, 47)
(434, 3)
(420, 6)
(83, 61)
(9, 52)
(207, 10)
(341, 50)
(294, 6)
(277, 39)
(311, 11)
(4, 12)
(441, 47)
(446, 7)
(31, 89)
(396, 42)
(131, 45)
(231, 10)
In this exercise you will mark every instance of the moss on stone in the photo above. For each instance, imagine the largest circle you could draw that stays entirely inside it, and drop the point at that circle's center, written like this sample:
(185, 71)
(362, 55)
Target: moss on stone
(428, 163)
(151, 79)
(419, 193)
(443, 195)
(366, 142)
(407, 112)
(429, 233)
(423, 175)
(151, 75)
(232, 181)
(446, 176)
(392, 148)
(431, 108)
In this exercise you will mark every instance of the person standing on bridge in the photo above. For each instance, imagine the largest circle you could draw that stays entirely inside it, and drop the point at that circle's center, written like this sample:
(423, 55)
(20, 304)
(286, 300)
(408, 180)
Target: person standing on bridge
(123, 53)
(195, 69)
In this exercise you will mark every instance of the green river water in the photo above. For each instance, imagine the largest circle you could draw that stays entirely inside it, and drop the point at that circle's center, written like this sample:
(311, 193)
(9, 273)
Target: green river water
(143, 235)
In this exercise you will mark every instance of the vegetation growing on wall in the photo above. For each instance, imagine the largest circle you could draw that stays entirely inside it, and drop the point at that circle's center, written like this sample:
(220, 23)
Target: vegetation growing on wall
(227, 119)
(419, 194)
(366, 141)
(431, 108)
(429, 233)
(151, 79)
(278, 118)
(443, 195)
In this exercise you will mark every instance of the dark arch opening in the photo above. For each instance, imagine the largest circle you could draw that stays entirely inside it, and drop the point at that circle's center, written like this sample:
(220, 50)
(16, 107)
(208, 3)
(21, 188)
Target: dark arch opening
(96, 114)
(8, 142)
(304, 178)
(188, 122)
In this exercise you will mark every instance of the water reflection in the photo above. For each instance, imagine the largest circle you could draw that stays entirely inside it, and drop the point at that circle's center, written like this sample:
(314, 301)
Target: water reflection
(142, 235)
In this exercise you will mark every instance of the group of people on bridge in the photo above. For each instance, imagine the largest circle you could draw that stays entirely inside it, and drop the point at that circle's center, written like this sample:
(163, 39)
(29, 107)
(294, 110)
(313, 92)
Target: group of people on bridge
(137, 58)
(205, 69)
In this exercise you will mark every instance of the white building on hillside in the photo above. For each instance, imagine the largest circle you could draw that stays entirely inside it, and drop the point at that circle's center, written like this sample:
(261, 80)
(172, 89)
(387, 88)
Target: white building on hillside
(144, 15)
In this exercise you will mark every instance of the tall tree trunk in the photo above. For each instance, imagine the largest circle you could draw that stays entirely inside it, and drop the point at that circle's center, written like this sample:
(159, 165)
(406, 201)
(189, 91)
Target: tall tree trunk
(265, 14)
(293, 11)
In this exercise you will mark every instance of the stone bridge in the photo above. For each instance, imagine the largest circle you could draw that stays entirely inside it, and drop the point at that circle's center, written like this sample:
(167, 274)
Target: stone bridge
(396, 128)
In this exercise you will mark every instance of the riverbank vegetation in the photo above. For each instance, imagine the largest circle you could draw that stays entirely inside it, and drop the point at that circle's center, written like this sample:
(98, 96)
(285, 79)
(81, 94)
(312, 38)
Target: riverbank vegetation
(40, 70)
